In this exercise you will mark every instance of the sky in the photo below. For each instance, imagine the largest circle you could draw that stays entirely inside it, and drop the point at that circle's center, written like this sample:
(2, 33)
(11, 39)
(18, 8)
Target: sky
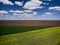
(29, 9)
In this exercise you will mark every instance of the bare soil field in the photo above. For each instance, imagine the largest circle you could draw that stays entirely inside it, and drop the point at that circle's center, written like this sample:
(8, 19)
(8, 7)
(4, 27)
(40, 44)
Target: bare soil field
(29, 22)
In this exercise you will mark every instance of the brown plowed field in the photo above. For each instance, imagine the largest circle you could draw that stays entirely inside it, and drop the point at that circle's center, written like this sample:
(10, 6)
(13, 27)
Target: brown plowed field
(29, 22)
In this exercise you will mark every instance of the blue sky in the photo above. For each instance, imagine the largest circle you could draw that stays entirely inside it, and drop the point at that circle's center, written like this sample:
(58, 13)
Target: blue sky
(29, 9)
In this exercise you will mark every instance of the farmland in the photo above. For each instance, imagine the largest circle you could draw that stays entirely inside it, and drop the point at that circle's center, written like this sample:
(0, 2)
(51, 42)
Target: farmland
(29, 32)
(29, 35)
(29, 22)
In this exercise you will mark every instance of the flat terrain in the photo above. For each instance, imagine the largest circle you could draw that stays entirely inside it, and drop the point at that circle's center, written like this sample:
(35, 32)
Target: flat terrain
(29, 22)
(29, 35)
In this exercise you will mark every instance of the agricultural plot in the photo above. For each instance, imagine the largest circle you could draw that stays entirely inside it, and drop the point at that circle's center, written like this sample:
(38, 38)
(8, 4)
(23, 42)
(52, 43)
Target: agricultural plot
(29, 35)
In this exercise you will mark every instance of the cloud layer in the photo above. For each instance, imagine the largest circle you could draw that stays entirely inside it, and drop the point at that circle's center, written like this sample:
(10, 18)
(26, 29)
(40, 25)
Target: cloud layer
(19, 3)
(47, 14)
(6, 2)
(55, 8)
(3, 11)
(30, 9)
(33, 4)
(24, 13)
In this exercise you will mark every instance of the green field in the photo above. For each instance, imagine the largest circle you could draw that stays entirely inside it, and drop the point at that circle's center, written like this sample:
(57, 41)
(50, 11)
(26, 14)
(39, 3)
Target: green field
(29, 35)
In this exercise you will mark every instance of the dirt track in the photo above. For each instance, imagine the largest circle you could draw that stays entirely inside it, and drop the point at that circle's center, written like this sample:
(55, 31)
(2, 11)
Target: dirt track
(29, 22)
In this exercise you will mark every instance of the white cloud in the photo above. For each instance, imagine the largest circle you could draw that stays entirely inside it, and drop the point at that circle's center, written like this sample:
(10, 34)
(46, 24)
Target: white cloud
(34, 13)
(6, 2)
(55, 8)
(25, 14)
(17, 14)
(27, 10)
(16, 11)
(30, 15)
(19, 11)
(11, 11)
(33, 4)
(19, 3)
(3, 11)
(47, 14)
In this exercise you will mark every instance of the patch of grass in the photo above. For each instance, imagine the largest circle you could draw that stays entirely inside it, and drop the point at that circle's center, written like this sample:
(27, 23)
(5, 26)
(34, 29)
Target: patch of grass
(5, 30)
(43, 36)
